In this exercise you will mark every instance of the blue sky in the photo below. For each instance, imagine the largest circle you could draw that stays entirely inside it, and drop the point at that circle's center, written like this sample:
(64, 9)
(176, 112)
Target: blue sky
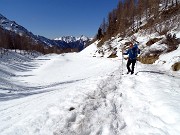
(55, 18)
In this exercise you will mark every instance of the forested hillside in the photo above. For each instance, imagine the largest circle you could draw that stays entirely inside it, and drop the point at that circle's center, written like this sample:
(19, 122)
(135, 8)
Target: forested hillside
(153, 24)
(131, 16)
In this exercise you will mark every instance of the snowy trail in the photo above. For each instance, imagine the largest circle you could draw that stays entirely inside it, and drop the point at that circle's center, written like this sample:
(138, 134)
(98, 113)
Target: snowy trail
(129, 105)
(102, 101)
(152, 104)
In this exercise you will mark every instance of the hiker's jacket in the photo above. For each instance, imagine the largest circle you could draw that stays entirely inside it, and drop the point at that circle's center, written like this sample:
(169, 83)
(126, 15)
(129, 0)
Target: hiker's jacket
(133, 52)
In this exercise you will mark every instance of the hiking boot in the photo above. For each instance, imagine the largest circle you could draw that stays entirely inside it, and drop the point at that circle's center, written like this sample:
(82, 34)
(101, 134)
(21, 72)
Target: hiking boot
(128, 72)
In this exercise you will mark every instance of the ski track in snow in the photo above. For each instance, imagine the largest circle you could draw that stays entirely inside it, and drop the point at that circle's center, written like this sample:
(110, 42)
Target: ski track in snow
(104, 101)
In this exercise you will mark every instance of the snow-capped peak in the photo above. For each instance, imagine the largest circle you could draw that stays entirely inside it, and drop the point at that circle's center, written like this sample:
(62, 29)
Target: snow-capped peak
(83, 38)
(13, 26)
(69, 39)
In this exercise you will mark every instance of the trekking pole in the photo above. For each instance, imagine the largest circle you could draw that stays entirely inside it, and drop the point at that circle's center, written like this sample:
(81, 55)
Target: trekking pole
(137, 58)
(136, 64)
(122, 57)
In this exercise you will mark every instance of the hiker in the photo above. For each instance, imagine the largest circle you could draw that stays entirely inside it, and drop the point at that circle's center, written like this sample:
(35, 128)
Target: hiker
(132, 53)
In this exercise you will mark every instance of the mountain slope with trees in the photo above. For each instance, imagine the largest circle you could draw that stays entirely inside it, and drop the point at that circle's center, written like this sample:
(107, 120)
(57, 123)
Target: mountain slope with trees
(14, 36)
(130, 17)
(154, 24)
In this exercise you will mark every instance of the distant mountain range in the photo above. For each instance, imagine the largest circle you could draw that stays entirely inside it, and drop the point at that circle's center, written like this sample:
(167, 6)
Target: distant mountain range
(62, 42)
(66, 41)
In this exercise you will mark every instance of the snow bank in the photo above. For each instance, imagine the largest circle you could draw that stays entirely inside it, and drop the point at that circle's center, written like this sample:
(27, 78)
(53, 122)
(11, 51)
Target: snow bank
(168, 59)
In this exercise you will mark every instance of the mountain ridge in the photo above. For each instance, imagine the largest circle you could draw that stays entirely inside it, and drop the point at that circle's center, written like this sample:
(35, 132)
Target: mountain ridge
(64, 42)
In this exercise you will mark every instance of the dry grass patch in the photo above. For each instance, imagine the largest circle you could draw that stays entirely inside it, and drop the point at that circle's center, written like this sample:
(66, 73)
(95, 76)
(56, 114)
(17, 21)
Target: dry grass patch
(148, 59)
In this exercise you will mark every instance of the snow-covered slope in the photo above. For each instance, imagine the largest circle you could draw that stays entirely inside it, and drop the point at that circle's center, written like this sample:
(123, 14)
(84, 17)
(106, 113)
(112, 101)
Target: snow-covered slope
(47, 97)
(142, 37)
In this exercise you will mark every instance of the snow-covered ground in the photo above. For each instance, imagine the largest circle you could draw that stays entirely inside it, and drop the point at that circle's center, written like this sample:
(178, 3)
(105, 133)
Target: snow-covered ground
(77, 94)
